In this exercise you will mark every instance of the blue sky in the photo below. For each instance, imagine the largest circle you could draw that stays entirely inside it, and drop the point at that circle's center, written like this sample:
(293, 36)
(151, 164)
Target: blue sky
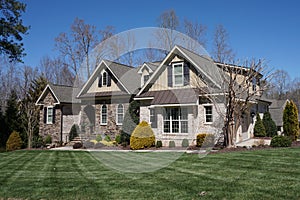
(268, 29)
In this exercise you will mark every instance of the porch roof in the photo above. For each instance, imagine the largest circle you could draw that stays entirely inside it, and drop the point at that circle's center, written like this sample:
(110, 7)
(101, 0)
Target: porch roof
(176, 96)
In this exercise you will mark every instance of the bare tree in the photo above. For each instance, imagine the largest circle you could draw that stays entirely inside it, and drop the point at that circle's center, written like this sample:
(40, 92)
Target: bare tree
(196, 31)
(56, 71)
(169, 22)
(280, 84)
(77, 46)
(222, 52)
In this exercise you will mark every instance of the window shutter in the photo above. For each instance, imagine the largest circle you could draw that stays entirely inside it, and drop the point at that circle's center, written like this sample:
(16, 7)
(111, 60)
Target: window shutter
(186, 73)
(170, 83)
(45, 115)
(108, 80)
(154, 121)
(53, 116)
(100, 81)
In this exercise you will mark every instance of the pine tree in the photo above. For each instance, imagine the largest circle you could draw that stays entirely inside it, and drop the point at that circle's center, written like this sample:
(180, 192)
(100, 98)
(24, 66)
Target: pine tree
(30, 113)
(259, 129)
(11, 118)
(269, 124)
(290, 120)
(131, 119)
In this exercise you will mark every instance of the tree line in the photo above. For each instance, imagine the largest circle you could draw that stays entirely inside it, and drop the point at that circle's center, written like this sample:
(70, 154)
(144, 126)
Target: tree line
(21, 84)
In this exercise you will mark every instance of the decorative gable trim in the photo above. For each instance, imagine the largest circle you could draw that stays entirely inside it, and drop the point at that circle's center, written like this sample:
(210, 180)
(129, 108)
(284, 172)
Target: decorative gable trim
(143, 66)
(162, 66)
(43, 95)
(95, 74)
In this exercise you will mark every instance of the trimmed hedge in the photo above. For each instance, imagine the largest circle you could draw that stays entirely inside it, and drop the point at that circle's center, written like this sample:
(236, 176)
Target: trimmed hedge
(185, 143)
(14, 142)
(259, 128)
(142, 136)
(281, 141)
(205, 140)
(158, 144)
(73, 132)
(171, 144)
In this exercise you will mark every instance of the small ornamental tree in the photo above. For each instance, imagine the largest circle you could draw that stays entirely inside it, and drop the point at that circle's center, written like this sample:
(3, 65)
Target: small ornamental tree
(73, 132)
(259, 129)
(269, 124)
(131, 119)
(142, 136)
(14, 142)
(290, 120)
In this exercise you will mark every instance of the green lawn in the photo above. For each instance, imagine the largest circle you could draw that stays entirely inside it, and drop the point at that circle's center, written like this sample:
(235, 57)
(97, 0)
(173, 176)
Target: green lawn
(263, 174)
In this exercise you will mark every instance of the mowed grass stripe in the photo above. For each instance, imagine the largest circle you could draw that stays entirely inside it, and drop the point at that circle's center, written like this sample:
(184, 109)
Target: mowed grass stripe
(266, 174)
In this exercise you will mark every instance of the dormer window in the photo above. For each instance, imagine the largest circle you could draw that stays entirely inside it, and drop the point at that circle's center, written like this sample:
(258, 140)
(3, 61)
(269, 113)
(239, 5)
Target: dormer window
(104, 78)
(178, 74)
(146, 78)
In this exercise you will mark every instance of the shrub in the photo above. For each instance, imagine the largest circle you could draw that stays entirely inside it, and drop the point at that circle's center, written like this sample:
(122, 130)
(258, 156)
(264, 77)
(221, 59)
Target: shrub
(205, 140)
(259, 129)
(48, 139)
(125, 138)
(77, 145)
(98, 138)
(118, 139)
(88, 144)
(142, 136)
(14, 142)
(269, 124)
(185, 142)
(290, 120)
(158, 144)
(171, 144)
(107, 138)
(281, 141)
(73, 132)
(99, 145)
(37, 141)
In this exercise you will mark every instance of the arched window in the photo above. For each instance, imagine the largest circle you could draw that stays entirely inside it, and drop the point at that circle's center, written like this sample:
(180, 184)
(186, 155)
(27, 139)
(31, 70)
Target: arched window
(120, 114)
(104, 79)
(104, 115)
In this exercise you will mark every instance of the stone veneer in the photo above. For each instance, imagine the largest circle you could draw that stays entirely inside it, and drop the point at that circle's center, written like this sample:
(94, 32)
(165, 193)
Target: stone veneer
(50, 129)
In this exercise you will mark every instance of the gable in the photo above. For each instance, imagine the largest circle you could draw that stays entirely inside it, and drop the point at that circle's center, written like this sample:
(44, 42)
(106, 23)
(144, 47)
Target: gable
(47, 98)
(166, 79)
(198, 71)
(110, 85)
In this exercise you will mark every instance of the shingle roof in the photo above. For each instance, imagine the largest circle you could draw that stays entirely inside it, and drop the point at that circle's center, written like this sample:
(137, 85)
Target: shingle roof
(153, 65)
(65, 94)
(176, 96)
(103, 94)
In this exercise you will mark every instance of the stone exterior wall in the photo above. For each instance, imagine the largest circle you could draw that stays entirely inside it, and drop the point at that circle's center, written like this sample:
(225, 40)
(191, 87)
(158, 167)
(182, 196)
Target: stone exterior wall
(50, 129)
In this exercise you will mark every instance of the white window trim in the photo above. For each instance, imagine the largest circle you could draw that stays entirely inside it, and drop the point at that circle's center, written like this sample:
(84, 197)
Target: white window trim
(212, 113)
(179, 121)
(117, 113)
(47, 119)
(101, 116)
(173, 74)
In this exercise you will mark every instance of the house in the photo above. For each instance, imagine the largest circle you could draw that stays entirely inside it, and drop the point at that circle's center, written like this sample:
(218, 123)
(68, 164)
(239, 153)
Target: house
(173, 95)
(59, 110)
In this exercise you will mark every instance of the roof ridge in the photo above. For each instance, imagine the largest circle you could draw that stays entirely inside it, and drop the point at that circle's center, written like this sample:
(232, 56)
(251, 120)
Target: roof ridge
(114, 62)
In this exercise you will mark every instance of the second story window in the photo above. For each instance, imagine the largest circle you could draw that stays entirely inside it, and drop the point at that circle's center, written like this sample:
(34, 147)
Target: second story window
(146, 78)
(178, 74)
(254, 84)
(104, 78)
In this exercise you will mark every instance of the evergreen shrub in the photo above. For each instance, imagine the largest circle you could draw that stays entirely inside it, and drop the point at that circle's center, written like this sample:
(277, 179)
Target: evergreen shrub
(14, 142)
(142, 136)
(281, 141)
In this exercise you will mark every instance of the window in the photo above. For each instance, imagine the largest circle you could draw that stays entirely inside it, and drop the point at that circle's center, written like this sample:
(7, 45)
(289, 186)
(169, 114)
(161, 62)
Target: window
(104, 115)
(146, 78)
(176, 120)
(208, 114)
(49, 115)
(254, 84)
(104, 79)
(178, 74)
(120, 114)
(152, 115)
